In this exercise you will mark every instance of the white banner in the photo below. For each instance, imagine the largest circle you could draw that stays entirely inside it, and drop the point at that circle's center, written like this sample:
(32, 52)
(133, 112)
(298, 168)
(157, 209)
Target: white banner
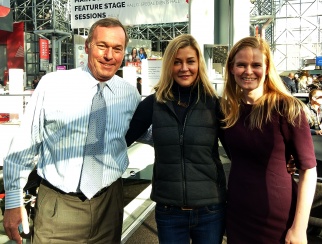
(80, 56)
(151, 72)
(130, 12)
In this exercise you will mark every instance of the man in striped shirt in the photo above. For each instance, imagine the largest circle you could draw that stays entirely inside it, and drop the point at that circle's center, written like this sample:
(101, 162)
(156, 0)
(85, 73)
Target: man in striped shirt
(54, 129)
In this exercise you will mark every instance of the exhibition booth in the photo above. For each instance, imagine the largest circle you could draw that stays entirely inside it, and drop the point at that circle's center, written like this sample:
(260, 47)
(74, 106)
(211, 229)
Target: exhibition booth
(13, 99)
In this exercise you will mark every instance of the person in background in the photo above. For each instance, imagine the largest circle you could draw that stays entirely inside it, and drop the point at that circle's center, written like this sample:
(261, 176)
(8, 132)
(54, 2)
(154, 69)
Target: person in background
(134, 55)
(142, 54)
(55, 128)
(189, 184)
(314, 85)
(296, 81)
(139, 84)
(35, 83)
(289, 82)
(303, 83)
(319, 78)
(315, 106)
(264, 124)
(309, 80)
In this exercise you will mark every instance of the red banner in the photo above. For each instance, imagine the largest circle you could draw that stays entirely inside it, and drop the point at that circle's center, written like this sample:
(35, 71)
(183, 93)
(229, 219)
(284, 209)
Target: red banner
(43, 49)
(15, 47)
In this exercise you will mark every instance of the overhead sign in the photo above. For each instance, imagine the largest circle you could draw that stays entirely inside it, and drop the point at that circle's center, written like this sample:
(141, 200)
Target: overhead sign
(131, 12)
(318, 61)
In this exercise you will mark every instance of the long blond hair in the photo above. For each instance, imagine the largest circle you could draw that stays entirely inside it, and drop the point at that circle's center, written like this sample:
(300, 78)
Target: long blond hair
(163, 87)
(275, 91)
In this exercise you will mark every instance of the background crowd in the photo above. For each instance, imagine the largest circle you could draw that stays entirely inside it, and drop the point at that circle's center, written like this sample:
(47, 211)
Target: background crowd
(302, 83)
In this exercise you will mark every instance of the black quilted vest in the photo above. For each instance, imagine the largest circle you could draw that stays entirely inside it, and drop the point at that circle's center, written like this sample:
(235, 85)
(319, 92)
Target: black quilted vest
(187, 169)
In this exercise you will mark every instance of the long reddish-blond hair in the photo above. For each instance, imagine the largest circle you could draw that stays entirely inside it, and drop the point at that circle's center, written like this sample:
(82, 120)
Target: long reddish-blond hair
(274, 91)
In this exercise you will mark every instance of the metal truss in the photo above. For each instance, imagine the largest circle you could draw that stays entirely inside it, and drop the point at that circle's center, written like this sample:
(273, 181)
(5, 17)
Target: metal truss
(22, 11)
(261, 17)
(49, 19)
(293, 28)
(42, 14)
(159, 34)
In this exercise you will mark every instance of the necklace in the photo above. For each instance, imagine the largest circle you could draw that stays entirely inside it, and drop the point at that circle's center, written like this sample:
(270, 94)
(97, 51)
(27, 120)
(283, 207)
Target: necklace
(184, 104)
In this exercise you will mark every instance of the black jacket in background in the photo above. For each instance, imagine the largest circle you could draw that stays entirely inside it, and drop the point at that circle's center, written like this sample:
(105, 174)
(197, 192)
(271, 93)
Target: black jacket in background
(290, 84)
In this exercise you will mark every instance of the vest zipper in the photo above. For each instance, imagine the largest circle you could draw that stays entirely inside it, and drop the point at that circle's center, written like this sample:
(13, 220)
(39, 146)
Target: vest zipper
(182, 157)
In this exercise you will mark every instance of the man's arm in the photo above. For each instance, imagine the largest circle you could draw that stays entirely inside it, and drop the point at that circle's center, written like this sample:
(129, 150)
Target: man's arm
(11, 221)
(18, 164)
(20, 159)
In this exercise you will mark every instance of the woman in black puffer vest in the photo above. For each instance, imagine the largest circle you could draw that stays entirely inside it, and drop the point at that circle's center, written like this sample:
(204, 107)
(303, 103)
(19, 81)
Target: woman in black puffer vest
(189, 184)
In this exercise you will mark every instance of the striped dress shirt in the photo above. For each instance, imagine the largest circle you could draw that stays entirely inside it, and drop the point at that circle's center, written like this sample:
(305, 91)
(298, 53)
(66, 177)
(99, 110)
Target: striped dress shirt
(54, 129)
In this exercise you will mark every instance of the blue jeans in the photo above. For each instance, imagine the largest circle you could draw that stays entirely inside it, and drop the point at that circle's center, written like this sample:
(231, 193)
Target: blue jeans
(204, 225)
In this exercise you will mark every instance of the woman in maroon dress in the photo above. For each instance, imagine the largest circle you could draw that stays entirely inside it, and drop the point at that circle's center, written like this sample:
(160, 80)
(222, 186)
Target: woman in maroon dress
(264, 125)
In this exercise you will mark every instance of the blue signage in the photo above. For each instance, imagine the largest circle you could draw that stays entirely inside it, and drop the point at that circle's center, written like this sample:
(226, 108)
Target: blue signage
(318, 61)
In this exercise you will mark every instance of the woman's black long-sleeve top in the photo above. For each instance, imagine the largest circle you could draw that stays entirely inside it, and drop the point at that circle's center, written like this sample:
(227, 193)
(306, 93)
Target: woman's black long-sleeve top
(187, 169)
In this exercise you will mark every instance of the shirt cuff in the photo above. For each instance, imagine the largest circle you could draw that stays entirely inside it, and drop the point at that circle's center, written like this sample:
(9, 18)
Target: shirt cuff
(14, 199)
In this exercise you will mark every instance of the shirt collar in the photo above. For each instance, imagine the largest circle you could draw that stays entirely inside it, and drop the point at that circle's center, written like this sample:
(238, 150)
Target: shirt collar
(110, 84)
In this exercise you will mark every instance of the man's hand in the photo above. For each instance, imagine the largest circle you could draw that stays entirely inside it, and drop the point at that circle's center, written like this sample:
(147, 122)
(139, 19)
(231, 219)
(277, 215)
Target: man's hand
(290, 166)
(318, 132)
(12, 219)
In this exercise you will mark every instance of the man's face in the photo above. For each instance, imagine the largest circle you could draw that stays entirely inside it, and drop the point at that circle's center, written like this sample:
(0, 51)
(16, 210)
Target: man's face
(317, 97)
(105, 52)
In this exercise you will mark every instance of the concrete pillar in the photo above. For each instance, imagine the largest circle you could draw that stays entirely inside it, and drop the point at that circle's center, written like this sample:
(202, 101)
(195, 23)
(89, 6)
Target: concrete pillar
(219, 22)
(201, 21)
(240, 20)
